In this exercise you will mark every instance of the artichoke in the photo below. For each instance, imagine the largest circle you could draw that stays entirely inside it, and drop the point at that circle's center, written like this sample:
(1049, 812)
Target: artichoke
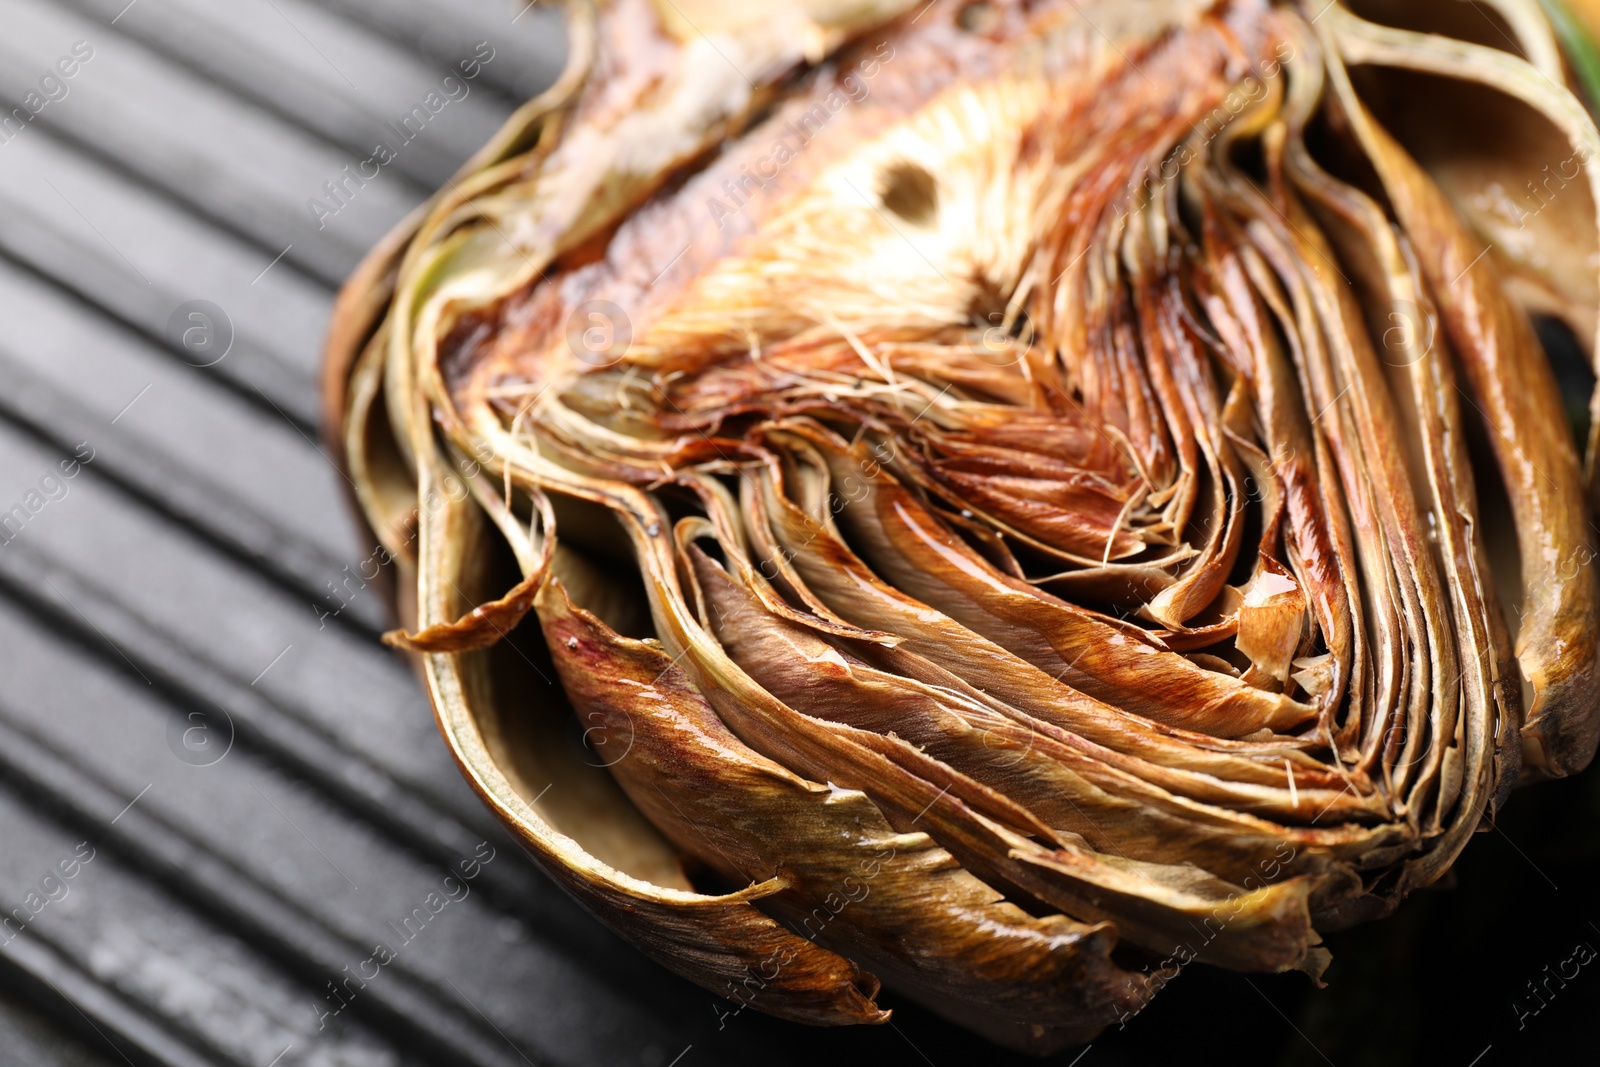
(1018, 497)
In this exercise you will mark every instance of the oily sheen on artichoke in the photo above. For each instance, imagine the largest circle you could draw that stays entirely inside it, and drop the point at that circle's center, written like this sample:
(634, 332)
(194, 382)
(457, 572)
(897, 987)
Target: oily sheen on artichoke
(997, 499)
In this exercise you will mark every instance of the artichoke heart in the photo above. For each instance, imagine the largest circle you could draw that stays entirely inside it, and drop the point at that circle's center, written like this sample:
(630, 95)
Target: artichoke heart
(997, 499)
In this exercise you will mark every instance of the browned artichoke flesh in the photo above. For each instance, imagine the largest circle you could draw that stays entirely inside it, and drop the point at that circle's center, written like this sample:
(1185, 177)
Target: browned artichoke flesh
(1016, 495)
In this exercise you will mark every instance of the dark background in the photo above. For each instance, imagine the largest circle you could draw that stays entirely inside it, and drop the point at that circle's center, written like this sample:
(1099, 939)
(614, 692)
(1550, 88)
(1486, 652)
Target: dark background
(193, 691)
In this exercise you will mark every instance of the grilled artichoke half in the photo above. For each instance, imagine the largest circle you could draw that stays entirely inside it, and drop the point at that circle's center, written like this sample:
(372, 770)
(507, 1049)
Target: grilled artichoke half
(1017, 496)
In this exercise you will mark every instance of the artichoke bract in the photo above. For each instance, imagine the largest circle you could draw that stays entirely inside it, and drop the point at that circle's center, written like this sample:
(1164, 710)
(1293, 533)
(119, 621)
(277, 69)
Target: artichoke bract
(997, 499)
